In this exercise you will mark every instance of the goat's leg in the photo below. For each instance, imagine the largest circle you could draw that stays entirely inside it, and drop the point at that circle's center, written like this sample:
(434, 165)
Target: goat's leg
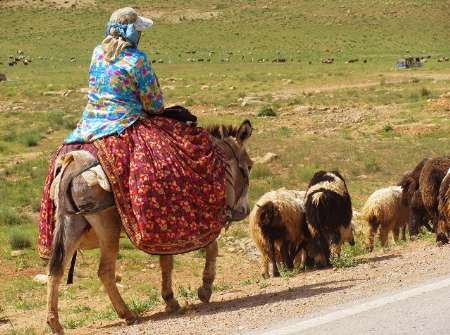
(73, 230)
(373, 224)
(166, 264)
(273, 259)
(265, 266)
(286, 255)
(107, 226)
(396, 233)
(209, 273)
(383, 236)
(404, 233)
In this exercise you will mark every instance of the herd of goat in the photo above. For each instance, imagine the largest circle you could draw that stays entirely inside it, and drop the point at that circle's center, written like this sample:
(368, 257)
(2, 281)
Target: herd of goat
(307, 228)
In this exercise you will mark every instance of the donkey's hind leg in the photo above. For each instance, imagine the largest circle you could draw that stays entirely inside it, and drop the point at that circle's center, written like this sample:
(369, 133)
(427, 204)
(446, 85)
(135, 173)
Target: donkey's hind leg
(107, 226)
(209, 273)
(166, 264)
(67, 239)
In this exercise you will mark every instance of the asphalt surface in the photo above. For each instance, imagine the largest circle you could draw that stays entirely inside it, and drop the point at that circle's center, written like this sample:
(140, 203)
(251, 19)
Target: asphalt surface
(423, 309)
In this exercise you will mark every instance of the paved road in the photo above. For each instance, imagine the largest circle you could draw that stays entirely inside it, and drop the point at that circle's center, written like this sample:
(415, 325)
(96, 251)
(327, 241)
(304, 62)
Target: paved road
(423, 309)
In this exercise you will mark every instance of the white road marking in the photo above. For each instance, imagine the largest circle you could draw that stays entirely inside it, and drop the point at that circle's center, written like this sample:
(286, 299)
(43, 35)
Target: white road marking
(296, 326)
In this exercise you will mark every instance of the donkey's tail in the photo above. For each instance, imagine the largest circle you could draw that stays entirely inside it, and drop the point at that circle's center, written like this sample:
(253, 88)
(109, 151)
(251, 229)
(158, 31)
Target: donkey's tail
(57, 258)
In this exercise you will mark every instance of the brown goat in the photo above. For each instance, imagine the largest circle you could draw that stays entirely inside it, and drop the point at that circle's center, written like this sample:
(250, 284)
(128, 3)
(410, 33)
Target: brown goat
(430, 180)
(443, 226)
(412, 199)
(385, 210)
(277, 225)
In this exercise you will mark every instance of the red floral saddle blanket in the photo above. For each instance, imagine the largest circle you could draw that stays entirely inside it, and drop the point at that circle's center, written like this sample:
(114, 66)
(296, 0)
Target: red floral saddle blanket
(168, 181)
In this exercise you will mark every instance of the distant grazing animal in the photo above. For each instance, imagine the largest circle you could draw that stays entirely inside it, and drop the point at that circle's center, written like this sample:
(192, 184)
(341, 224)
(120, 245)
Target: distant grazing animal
(443, 226)
(385, 210)
(277, 225)
(412, 198)
(432, 174)
(329, 212)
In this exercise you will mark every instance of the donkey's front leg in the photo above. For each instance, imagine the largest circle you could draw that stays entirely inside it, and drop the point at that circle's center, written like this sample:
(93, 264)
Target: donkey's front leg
(209, 273)
(166, 263)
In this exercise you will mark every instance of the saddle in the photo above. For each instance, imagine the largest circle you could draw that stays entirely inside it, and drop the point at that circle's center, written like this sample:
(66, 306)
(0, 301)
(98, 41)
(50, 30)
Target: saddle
(181, 114)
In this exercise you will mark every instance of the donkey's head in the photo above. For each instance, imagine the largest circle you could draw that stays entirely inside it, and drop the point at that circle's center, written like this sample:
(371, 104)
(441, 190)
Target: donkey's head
(232, 141)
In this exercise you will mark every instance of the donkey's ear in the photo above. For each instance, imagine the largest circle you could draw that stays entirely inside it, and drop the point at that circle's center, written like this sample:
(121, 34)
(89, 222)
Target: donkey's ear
(244, 132)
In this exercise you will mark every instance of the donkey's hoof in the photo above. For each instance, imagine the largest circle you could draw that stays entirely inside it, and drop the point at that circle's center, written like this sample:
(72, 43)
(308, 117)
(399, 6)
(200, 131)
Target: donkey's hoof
(55, 326)
(131, 318)
(204, 294)
(172, 306)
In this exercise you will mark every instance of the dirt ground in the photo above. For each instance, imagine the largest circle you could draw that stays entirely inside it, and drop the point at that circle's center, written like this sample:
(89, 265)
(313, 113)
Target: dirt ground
(47, 3)
(259, 305)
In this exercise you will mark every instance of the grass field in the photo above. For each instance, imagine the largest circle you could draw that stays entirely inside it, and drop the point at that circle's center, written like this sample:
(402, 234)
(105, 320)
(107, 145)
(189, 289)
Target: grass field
(367, 119)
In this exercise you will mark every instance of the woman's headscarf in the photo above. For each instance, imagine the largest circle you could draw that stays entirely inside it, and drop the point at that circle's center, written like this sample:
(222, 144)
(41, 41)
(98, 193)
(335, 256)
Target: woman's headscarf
(123, 31)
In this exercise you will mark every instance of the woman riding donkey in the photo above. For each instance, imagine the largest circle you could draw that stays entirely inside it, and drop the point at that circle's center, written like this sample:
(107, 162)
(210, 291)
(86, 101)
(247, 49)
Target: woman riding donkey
(174, 186)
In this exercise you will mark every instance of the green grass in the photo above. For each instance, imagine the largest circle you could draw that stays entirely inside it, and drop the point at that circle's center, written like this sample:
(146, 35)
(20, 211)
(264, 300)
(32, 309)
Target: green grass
(11, 217)
(260, 171)
(266, 111)
(19, 239)
(186, 292)
(140, 305)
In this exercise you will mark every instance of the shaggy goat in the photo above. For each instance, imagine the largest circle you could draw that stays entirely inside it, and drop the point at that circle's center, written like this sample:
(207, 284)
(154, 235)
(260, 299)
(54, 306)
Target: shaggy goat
(385, 210)
(412, 199)
(432, 174)
(329, 212)
(443, 226)
(277, 225)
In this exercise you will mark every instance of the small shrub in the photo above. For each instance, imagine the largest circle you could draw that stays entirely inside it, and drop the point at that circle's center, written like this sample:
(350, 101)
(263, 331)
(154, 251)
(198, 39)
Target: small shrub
(261, 171)
(245, 282)
(266, 111)
(346, 134)
(19, 239)
(187, 292)
(285, 273)
(126, 244)
(55, 118)
(305, 173)
(70, 122)
(10, 217)
(30, 139)
(74, 323)
(10, 136)
(189, 101)
(388, 128)
(424, 92)
(284, 131)
(140, 306)
(371, 165)
(222, 287)
(345, 261)
(200, 253)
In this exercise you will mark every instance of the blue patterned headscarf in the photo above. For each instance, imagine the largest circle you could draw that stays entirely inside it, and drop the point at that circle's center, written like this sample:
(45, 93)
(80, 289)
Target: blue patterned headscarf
(127, 31)
(123, 31)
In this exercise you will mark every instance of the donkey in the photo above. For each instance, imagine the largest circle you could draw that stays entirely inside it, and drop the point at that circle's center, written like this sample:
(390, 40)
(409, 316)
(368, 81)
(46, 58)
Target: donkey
(100, 227)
